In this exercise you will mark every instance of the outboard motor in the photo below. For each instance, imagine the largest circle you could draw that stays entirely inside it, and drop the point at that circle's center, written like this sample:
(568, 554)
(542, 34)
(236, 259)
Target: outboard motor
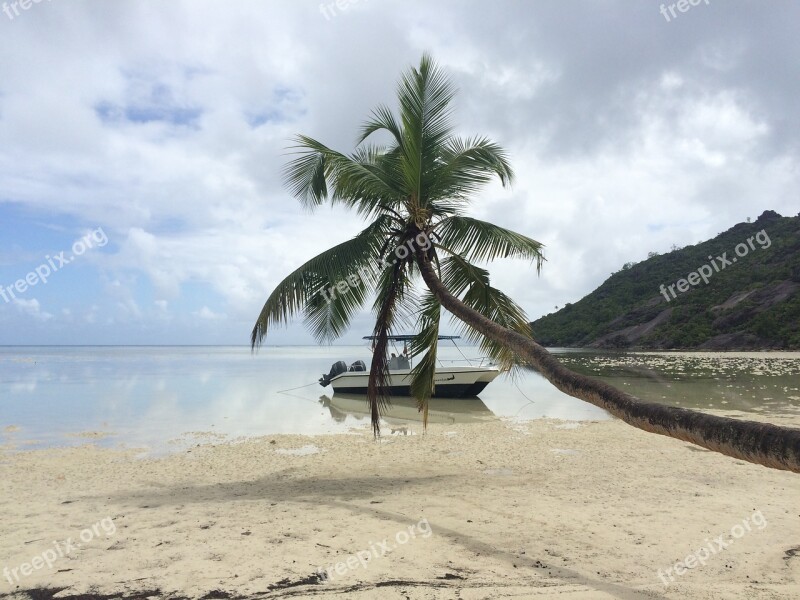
(338, 368)
(358, 366)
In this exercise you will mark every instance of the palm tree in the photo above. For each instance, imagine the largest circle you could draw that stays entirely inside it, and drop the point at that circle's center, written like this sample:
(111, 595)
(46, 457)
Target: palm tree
(414, 190)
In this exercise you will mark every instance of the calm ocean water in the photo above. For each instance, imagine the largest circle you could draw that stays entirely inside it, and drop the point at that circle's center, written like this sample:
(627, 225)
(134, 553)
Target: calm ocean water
(150, 396)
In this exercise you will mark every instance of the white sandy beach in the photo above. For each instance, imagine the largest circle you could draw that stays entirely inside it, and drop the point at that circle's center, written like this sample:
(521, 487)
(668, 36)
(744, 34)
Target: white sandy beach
(497, 510)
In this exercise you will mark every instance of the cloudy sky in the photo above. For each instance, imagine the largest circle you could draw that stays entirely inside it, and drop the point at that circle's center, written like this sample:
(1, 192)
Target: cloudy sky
(145, 141)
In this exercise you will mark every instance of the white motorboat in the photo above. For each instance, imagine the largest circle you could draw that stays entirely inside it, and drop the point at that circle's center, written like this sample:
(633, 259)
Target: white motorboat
(450, 381)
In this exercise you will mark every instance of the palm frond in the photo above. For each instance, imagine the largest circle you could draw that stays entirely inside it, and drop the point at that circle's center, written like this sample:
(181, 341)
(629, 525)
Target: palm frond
(328, 312)
(309, 283)
(382, 119)
(357, 181)
(462, 277)
(425, 95)
(464, 166)
(425, 344)
(396, 278)
(372, 182)
(306, 175)
(391, 289)
(482, 241)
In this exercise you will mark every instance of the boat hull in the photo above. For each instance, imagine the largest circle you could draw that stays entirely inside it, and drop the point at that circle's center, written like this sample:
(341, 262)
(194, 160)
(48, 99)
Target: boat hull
(455, 382)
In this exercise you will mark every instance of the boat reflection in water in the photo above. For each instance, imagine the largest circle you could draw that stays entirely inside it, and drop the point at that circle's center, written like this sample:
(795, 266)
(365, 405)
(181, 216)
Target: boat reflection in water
(403, 409)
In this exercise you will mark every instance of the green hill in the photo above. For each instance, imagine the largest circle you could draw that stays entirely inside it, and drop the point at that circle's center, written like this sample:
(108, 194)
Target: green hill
(745, 296)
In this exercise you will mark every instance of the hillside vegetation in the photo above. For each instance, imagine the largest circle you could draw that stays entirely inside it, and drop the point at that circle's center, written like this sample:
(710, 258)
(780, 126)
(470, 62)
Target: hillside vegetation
(745, 296)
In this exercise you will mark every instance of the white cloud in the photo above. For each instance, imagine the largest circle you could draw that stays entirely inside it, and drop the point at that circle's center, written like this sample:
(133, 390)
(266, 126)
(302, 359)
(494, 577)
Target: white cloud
(32, 308)
(207, 313)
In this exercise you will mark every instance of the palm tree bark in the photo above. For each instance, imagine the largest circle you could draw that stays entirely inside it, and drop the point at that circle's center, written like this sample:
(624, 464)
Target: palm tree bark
(760, 443)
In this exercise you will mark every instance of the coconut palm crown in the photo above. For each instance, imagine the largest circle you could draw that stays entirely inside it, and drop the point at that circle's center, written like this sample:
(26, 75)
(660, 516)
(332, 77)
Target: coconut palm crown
(414, 192)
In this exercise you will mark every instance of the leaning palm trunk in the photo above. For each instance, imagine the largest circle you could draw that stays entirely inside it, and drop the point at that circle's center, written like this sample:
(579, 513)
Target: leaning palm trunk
(760, 443)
